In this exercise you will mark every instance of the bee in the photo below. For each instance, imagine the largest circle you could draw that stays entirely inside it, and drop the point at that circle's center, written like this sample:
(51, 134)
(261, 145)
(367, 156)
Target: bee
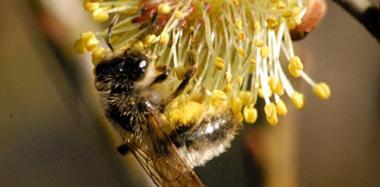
(167, 146)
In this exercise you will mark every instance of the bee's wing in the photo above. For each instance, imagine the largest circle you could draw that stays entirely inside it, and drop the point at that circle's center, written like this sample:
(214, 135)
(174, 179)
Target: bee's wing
(168, 168)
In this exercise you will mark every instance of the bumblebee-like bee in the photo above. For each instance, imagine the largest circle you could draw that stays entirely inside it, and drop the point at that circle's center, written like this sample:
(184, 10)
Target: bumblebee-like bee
(168, 134)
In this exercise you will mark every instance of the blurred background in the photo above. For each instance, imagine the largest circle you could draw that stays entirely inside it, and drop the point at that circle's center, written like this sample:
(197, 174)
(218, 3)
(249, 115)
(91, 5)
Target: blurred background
(51, 132)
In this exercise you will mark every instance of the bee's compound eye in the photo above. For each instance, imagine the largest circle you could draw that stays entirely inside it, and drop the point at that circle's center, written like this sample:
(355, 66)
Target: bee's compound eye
(135, 66)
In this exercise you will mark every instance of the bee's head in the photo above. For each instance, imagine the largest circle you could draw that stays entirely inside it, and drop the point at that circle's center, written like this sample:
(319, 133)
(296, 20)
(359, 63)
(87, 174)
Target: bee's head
(121, 70)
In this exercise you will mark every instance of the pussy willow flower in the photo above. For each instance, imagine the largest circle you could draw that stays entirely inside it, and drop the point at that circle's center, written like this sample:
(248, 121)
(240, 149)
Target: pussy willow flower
(240, 48)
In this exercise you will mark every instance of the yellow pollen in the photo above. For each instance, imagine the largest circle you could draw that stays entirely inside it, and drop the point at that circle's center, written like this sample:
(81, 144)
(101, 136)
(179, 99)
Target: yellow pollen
(296, 62)
(164, 8)
(236, 105)
(80, 46)
(92, 43)
(90, 6)
(239, 24)
(227, 88)
(239, 79)
(265, 52)
(100, 15)
(242, 52)
(218, 97)
(219, 63)
(281, 108)
(272, 120)
(97, 55)
(298, 100)
(270, 110)
(246, 97)
(138, 46)
(178, 14)
(164, 38)
(250, 114)
(294, 71)
(259, 43)
(241, 35)
(150, 39)
(322, 90)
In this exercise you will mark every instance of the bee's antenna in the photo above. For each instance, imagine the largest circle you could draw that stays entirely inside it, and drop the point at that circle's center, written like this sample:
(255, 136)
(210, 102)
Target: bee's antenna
(114, 21)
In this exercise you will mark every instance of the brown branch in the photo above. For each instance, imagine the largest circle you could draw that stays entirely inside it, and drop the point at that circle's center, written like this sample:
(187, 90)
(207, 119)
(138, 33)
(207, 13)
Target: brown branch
(366, 12)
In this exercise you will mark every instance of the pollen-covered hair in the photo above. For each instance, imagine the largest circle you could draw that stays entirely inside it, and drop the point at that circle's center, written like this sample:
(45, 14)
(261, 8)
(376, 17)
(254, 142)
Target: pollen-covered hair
(239, 47)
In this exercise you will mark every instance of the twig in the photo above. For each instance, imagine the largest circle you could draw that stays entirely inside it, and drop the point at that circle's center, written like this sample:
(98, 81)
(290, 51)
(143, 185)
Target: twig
(366, 12)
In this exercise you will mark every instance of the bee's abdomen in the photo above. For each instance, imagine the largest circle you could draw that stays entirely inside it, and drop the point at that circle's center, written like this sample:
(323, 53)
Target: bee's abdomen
(211, 138)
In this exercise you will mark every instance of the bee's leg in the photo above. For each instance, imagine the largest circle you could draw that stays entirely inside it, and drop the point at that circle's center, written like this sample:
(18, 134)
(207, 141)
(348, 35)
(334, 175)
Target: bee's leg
(164, 73)
(123, 149)
(114, 21)
(186, 80)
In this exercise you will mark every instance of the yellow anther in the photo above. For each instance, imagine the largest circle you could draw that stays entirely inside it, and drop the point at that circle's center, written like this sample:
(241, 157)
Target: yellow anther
(257, 26)
(218, 95)
(150, 39)
(239, 117)
(98, 55)
(322, 90)
(138, 46)
(236, 105)
(252, 61)
(280, 5)
(164, 8)
(259, 43)
(296, 10)
(281, 107)
(241, 35)
(219, 63)
(298, 21)
(265, 51)
(294, 71)
(80, 46)
(239, 24)
(227, 88)
(272, 120)
(164, 38)
(272, 22)
(246, 97)
(250, 114)
(239, 79)
(274, 83)
(261, 94)
(100, 15)
(270, 110)
(92, 43)
(178, 14)
(236, 2)
(242, 52)
(287, 13)
(296, 62)
(291, 24)
(86, 35)
(298, 100)
(90, 6)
